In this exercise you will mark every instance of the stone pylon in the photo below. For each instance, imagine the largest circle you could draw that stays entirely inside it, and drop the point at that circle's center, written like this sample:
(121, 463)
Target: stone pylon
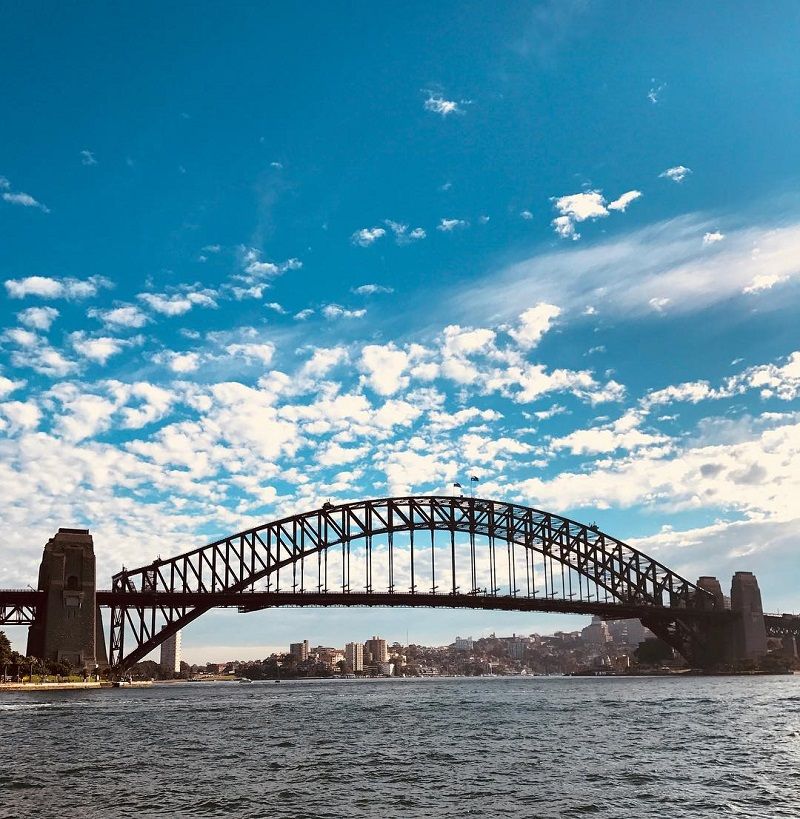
(749, 630)
(69, 626)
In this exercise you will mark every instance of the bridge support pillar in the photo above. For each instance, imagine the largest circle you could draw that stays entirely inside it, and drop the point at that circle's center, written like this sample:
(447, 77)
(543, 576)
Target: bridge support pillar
(716, 646)
(69, 626)
(749, 630)
(789, 646)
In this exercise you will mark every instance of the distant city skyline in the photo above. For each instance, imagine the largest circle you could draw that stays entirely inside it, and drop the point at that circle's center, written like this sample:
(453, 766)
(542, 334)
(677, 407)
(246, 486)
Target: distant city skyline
(553, 246)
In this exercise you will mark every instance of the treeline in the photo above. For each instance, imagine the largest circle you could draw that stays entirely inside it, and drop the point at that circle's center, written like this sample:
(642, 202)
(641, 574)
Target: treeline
(14, 666)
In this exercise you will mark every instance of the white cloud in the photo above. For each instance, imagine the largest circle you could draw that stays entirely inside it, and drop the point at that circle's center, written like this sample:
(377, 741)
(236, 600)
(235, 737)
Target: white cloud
(658, 303)
(39, 318)
(256, 272)
(96, 349)
(439, 105)
(623, 201)
(383, 367)
(367, 236)
(372, 289)
(765, 282)
(20, 337)
(336, 311)
(449, 225)
(677, 173)
(48, 287)
(7, 385)
(24, 415)
(44, 360)
(654, 94)
(278, 308)
(622, 434)
(177, 304)
(127, 315)
(262, 353)
(402, 235)
(152, 404)
(526, 215)
(87, 158)
(633, 274)
(578, 207)
(337, 455)
(533, 324)
(710, 238)
(302, 315)
(565, 228)
(25, 200)
(182, 362)
(322, 361)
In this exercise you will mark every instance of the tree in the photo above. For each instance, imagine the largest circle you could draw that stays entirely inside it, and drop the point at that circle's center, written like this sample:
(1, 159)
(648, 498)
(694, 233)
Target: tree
(653, 652)
(6, 654)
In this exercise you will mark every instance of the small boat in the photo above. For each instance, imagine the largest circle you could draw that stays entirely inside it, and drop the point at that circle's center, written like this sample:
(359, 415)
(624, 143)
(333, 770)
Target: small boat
(245, 679)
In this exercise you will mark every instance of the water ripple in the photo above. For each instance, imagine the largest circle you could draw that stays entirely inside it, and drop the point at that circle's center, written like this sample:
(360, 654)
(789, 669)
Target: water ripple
(542, 748)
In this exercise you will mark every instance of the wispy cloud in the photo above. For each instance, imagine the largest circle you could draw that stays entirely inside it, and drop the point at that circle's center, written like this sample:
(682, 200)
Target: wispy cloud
(25, 200)
(449, 225)
(87, 158)
(663, 267)
(437, 104)
(372, 289)
(656, 89)
(402, 234)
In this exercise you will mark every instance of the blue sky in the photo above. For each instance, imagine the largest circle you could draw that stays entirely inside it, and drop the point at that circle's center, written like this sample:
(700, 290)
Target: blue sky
(256, 257)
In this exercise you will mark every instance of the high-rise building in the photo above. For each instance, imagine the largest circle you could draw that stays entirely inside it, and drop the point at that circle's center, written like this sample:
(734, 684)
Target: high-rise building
(376, 650)
(597, 632)
(354, 655)
(299, 650)
(463, 644)
(517, 646)
(171, 654)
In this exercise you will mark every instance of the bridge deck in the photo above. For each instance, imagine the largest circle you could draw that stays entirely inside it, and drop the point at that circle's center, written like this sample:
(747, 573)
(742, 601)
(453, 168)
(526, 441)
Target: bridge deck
(255, 601)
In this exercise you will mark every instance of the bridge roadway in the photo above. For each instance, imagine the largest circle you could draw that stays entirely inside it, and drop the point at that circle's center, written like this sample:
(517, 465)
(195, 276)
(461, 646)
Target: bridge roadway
(18, 606)
(18, 600)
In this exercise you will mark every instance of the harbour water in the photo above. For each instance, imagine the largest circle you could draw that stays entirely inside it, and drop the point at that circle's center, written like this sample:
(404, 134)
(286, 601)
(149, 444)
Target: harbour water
(533, 747)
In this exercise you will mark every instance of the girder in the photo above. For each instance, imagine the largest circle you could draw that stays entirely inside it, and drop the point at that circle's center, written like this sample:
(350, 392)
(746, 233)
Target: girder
(578, 564)
(18, 607)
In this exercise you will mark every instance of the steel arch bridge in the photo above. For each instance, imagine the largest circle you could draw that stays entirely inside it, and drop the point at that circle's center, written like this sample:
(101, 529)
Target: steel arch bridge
(436, 551)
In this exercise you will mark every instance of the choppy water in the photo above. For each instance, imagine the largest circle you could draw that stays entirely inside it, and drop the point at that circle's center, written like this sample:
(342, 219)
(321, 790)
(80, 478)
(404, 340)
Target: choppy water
(643, 747)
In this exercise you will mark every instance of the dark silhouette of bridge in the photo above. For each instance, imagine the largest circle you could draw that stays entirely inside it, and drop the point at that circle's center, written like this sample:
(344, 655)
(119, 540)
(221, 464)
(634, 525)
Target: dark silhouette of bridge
(416, 551)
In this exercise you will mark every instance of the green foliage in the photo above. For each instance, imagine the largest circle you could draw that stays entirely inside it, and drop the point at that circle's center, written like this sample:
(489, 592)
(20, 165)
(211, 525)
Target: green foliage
(653, 652)
(6, 654)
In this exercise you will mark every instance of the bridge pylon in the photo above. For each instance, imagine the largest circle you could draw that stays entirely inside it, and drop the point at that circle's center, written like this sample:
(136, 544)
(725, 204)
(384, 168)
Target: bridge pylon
(68, 626)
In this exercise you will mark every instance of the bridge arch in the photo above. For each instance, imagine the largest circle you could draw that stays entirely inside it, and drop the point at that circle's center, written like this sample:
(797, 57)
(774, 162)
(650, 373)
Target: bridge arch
(153, 602)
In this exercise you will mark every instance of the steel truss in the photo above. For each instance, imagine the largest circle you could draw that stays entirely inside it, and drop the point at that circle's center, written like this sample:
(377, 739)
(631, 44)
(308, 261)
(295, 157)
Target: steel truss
(782, 625)
(580, 566)
(18, 607)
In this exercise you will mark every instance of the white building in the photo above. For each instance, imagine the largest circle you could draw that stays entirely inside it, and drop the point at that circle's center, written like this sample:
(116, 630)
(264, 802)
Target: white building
(463, 644)
(354, 655)
(171, 654)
